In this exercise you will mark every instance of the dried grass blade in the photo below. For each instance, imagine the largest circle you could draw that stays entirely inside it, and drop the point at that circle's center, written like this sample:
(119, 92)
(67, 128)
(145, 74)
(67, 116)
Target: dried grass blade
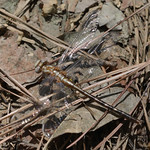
(121, 143)
(26, 92)
(16, 111)
(12, 18)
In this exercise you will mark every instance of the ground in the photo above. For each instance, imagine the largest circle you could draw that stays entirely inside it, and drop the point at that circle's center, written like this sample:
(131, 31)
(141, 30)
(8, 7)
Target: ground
(100, 46)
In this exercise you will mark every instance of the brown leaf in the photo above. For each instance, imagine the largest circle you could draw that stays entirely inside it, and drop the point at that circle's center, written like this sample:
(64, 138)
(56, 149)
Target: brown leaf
(72, 5)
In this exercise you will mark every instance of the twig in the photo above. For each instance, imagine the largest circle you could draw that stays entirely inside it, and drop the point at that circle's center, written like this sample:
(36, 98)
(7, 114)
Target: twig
(36, 31)
(26, 92)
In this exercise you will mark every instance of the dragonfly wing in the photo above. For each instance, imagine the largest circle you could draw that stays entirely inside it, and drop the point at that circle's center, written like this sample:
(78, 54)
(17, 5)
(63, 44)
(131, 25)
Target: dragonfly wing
(61, 99)
(45, 87)
(82, 38)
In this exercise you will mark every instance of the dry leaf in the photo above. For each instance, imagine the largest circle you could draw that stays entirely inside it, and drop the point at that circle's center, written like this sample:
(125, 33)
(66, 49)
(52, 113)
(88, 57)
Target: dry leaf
(72, 5)
(84, 4)
(49, 6)
(125, 4)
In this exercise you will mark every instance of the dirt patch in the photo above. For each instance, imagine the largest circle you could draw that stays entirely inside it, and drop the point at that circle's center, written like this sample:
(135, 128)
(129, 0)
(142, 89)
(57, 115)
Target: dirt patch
(101, 47)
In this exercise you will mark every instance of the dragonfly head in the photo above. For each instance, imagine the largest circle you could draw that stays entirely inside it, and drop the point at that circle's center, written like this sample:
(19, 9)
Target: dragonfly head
(38, 66)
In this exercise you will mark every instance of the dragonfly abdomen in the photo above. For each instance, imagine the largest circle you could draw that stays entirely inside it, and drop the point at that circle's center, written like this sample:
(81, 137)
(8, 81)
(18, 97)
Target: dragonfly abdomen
(61, 77)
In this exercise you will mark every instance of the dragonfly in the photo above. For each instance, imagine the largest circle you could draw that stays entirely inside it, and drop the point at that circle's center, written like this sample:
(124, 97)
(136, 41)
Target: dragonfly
(61, 76)
(45, 68)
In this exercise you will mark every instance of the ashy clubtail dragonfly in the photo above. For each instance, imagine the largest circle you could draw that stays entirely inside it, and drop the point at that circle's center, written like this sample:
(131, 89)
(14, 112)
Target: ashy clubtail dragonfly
(45, 68)
(60, 75)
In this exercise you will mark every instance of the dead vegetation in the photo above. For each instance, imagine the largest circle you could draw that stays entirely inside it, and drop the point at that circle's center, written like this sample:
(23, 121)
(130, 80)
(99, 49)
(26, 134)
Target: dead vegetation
(34, 30)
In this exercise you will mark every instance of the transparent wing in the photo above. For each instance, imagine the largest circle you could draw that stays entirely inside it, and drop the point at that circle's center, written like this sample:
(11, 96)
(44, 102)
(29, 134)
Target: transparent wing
(78, 63)
(83, 37)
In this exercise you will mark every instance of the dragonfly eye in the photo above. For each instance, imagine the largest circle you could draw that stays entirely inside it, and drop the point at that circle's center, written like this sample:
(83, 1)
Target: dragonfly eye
(38, 66)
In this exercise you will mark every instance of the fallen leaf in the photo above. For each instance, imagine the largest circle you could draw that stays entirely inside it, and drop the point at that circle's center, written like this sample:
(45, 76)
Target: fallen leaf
(125, 4)
(49, 7)
(72, 5)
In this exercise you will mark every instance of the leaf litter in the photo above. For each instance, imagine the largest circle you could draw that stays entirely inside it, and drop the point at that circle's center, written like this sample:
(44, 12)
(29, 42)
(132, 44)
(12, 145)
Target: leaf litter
(34, 37)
